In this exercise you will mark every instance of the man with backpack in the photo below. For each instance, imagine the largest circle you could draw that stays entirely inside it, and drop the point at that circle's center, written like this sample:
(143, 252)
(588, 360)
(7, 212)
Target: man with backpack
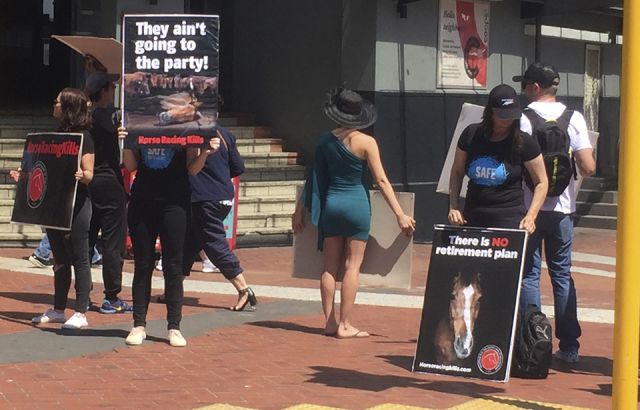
(567, 151)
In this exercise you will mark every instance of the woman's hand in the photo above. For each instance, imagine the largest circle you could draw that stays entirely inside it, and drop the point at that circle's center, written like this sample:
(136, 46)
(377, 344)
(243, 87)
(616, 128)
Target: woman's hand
(297, 220)
(122, 133)
(214, 146)
(79, 174)
(456, 218)
(407, 224)
(528, 223)
(15, 174)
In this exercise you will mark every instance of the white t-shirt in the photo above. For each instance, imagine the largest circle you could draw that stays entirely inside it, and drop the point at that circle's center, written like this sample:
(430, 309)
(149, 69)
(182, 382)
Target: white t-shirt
(579, 139)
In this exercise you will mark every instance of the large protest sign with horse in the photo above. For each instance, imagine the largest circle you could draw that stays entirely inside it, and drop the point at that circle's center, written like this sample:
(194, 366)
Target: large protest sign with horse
(170, 80)
(46, 190)
(471, 302)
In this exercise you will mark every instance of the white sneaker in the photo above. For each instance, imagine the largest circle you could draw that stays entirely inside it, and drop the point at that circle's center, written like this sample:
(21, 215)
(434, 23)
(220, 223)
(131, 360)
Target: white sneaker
(176, 339)
(50, 316)
(159, 264)
(209, 267)
(136, 336)
(77, 321)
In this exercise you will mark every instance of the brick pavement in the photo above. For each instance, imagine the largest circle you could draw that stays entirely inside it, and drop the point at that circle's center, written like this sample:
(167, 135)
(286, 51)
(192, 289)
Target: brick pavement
(274, 358)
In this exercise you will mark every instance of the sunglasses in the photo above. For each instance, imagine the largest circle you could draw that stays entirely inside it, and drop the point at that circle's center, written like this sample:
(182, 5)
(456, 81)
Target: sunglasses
(56, 102)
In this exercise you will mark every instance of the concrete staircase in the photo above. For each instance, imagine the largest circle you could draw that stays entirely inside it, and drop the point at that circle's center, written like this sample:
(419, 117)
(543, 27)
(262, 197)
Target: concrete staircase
(597, 204)
(267, 188)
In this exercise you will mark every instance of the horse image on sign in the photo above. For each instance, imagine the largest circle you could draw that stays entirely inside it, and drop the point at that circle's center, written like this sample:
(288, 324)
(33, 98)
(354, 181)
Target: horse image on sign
(454, 334)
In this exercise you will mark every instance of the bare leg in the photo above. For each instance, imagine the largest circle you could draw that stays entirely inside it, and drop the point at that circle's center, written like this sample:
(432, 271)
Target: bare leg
(240, 284)
(353, 261)
(333, 251)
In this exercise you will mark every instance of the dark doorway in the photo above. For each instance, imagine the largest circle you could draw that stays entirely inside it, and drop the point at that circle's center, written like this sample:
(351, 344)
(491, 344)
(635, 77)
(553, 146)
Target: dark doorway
(33, 67)
(223, 8)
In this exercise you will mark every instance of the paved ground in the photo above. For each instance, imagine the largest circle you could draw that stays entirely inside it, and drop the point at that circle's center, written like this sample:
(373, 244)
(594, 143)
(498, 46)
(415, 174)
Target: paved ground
(276, 357)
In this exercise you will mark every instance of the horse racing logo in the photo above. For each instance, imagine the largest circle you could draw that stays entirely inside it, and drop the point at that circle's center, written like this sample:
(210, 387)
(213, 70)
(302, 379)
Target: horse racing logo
(490, 359)
(37, 185)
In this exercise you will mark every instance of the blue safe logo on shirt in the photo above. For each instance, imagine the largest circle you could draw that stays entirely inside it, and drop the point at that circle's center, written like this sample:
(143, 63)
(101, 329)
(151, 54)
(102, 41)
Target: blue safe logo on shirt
(487, 171)
(157, 158)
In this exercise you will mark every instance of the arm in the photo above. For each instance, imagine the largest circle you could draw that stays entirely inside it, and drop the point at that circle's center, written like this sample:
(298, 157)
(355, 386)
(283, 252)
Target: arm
(85, 172)
(585, 162)
(538, 175)
(131, 159)
(455, 185)
(406, 223)
(196, 157)
(297, 219)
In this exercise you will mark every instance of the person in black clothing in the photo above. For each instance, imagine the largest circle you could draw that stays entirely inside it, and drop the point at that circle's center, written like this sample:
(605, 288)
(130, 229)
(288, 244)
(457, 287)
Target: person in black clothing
(494, 155)
(211, 170)
(72, 108)
(159, 204)
(107, 189)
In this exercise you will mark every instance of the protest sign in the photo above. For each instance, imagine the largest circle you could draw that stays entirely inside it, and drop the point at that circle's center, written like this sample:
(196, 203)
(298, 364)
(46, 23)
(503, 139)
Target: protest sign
(46, 190)
(471, 302)
(170, 80)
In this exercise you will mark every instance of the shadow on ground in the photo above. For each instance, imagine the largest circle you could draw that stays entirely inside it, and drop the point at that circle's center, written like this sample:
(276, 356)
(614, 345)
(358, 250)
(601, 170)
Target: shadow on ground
(588, 365)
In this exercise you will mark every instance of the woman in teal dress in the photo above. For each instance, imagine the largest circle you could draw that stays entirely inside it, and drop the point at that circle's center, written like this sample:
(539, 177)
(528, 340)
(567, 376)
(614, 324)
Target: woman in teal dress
(337, 197)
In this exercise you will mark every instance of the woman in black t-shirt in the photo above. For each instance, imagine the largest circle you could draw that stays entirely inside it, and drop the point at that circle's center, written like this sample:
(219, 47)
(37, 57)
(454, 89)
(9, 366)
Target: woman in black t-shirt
(494, 154)
(72, 108)
(159, 204)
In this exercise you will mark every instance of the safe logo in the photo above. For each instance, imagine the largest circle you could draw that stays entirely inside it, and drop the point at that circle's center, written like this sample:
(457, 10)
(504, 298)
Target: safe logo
(37, 185)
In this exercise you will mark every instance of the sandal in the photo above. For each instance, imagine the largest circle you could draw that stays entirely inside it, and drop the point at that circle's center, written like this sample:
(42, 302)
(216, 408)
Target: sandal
(251, 299)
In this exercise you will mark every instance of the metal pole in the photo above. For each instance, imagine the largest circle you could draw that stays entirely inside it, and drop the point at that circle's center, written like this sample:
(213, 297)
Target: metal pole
(627, 309)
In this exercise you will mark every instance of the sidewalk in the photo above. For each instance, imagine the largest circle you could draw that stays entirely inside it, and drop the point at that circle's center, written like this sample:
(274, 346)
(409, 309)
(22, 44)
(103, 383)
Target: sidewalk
(276, 357)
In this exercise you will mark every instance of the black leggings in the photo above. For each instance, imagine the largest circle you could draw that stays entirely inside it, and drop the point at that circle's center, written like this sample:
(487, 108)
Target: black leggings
(147, 219)
(109, 216)
(72, 248)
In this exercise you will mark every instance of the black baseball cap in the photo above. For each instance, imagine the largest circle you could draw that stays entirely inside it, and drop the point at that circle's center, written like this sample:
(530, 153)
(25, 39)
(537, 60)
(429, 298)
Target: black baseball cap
(97, 80)
(504, 103)
(545, 75)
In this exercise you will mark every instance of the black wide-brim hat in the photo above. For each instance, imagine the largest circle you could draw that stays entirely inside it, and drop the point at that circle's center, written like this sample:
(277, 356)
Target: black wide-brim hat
(349, 109)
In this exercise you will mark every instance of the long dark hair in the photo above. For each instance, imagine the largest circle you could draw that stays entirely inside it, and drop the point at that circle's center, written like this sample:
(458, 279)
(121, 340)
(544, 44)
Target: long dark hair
(514, 130)
(76, 110)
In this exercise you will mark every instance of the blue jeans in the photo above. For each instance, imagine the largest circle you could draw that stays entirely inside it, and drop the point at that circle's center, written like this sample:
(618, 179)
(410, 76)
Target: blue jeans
(43, 251)
(556, 230)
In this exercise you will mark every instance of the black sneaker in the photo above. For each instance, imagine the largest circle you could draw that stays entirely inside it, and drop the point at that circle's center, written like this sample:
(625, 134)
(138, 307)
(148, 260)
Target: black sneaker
(40, 262)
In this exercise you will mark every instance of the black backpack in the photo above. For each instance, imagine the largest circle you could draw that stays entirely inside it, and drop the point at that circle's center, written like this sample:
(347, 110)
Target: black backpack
(533, 345)
(553, 137)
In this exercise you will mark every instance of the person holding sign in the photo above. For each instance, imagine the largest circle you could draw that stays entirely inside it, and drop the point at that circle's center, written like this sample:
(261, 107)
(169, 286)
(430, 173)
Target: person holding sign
(159, 205)
(336, 196)
(72, 108)
(495, 154)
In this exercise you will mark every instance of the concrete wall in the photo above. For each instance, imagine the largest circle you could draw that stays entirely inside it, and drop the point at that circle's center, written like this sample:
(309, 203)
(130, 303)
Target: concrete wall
(287, 54)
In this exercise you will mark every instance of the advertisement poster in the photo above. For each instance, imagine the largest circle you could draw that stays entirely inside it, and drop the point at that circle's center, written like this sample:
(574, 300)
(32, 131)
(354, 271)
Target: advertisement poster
(46, 190)
(170, 80)
(463, 44)
(471, 302)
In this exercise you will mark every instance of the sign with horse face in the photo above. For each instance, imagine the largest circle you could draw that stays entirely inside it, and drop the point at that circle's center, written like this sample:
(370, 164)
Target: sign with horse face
(471, 302)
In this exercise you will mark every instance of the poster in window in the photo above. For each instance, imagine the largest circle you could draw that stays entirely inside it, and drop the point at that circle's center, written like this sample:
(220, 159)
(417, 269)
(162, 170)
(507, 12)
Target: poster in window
(463, 44)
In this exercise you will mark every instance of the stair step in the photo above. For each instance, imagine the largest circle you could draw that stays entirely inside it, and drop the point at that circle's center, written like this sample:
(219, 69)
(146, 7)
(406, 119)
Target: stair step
(250, 131)
(262, 205)
(600, 222)
(262, 189)
(254, 145)
(20, 240)
(7, 227)
(599, 184)
(265, 237)
(590, 195)
(275, 173)
(270, 159)
(258, 220)
(596, 209)
(235, 119)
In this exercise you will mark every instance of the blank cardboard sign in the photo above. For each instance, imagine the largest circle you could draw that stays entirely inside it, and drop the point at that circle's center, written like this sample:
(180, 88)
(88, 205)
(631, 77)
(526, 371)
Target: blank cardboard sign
(387, 258)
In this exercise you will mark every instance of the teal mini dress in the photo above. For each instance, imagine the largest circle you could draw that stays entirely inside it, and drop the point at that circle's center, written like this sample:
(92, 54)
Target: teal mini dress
(336, 192)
